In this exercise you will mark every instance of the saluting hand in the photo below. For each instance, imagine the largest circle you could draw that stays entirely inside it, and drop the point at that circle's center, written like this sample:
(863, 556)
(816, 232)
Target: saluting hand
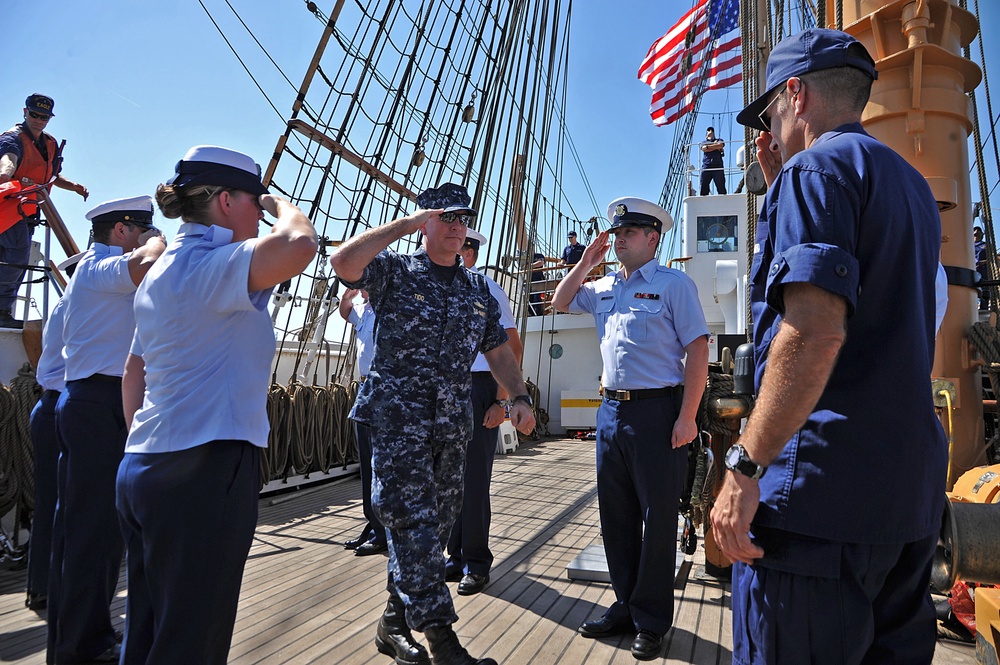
(594, 255)
(416, 220)
(769, 156)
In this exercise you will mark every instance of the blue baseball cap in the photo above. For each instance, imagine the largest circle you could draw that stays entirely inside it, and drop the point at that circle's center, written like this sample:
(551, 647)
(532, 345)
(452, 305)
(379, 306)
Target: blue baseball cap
(40, 104)
(811, 50)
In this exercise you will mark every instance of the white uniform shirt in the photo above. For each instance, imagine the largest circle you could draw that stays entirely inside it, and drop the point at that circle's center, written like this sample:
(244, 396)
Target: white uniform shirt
(51, 372)
(207, 345)
(99, 320)
(644, 323)
(506, 319)
(362, 317)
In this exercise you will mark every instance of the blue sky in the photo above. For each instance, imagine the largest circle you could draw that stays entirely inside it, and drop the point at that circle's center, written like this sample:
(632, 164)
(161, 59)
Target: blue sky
(136, 84)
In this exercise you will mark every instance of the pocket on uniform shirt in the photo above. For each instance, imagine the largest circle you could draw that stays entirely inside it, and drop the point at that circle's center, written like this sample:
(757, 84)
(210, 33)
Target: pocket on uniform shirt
(637, 324)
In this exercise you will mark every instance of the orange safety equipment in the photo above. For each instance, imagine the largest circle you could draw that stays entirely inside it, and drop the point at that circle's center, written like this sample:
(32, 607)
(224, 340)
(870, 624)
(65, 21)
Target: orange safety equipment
(33, 166)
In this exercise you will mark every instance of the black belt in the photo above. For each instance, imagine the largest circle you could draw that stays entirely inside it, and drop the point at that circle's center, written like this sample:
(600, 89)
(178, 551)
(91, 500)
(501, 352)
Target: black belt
(51, 393)
(104, 378)
(486, 373)
(644, 393)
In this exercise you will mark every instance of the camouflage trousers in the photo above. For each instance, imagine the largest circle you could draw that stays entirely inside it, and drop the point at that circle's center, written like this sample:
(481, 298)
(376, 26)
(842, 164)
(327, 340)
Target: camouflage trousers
(417, 495)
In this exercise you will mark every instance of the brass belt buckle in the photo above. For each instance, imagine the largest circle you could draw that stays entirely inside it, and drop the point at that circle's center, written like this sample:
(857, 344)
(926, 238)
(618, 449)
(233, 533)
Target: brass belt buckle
(626, 395)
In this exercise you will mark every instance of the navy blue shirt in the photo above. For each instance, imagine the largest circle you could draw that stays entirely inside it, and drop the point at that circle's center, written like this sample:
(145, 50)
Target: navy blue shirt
(851, 216)
(713, 158)
(573, 253)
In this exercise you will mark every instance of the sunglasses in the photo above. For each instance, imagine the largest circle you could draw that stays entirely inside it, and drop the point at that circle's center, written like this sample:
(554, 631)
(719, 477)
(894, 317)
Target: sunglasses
(462, 218)
(763, 116)
(39, 116)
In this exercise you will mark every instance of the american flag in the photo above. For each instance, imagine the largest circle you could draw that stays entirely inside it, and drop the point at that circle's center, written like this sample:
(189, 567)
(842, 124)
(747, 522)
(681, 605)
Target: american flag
(672, 67)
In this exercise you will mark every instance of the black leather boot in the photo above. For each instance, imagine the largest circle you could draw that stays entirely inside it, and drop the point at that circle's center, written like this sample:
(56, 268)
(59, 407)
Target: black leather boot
(393, 636)
(446, 649)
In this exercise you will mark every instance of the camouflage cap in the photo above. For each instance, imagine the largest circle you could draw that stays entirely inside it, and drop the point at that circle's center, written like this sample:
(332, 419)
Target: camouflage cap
(449, 196)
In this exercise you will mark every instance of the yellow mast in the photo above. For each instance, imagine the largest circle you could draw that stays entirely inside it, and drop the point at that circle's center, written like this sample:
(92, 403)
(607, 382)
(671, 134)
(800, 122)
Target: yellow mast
(920, 108)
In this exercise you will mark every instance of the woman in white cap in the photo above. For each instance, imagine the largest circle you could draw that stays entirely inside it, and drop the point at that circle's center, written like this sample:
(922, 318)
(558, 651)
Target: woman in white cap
(195, 391)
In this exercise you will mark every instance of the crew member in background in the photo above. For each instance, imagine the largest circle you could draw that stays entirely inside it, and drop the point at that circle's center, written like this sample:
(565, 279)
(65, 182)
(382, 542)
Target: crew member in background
(51, 376)
(979, 249)
(572, 252)
(90, 425)
(712, 167)
(654, 344)
(433, 317)
(195, 392)
(833, 553)
(469, 555)
(30, 156)
(535, 300)
(362, 317)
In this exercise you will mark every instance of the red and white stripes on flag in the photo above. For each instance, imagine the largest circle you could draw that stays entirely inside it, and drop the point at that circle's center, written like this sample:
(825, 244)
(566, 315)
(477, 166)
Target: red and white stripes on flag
(672, 67)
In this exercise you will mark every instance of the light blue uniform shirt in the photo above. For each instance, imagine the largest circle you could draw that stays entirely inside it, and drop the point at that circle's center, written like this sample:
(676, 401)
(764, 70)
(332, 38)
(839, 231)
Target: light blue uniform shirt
(51, 372)
(506, 319)
(643, 324)
(207, 344)
(362, 317)
(99, 320)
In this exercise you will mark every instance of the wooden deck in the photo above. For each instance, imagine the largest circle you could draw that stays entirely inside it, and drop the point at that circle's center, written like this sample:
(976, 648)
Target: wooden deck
(307, 600)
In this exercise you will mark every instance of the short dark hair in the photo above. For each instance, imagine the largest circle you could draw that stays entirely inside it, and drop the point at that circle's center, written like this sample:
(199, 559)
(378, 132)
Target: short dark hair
(710, 129)
(848, 88)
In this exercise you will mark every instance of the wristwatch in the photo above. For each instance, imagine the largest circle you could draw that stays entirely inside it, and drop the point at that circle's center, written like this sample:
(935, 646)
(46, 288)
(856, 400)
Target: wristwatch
(523, 398)
(738, 461)
(500, 402)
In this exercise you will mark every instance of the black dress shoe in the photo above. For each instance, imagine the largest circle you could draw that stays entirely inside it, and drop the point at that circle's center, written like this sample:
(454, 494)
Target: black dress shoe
(111, 655)
(472, 584)
(647, 645)
(605, 627)
(36, 601)
(8, 321)
(354, 543)
(370, 548)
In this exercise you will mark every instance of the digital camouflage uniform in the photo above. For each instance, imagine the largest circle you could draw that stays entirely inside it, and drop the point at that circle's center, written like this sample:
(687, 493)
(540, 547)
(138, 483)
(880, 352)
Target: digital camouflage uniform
(417, 399)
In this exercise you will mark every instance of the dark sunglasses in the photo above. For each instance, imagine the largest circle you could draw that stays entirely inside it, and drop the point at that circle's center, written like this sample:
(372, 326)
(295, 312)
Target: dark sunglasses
(463, 218)
(39, 116)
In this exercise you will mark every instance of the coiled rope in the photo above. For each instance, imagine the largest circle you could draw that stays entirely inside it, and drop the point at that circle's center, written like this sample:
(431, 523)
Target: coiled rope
(310, 430)
(17, 476)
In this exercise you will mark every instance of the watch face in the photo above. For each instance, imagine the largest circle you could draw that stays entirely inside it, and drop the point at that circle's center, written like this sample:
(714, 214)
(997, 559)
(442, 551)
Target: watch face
(733, 457)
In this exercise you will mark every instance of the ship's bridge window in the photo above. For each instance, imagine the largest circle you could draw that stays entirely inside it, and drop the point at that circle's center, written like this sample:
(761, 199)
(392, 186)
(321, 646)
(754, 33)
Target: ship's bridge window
(717, 233)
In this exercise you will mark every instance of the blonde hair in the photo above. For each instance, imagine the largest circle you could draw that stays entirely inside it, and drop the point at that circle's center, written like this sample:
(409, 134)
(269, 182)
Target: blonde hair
(188, 203)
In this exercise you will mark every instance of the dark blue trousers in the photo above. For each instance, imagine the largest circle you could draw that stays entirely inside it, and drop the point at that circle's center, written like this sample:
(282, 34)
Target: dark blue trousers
(710, 175)
(374, 531)
(86, 540)
(639, 479)
(188, 519)
(43, 439)
(15, 247)
(872, 606)
(468, 546)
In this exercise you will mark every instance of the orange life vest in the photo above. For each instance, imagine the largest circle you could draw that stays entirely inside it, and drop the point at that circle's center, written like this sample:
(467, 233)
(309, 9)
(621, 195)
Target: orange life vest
(33, 165)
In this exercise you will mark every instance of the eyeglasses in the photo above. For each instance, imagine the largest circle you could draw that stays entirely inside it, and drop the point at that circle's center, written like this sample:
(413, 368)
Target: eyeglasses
(764, 118)
(450, 217)
(39, 116)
